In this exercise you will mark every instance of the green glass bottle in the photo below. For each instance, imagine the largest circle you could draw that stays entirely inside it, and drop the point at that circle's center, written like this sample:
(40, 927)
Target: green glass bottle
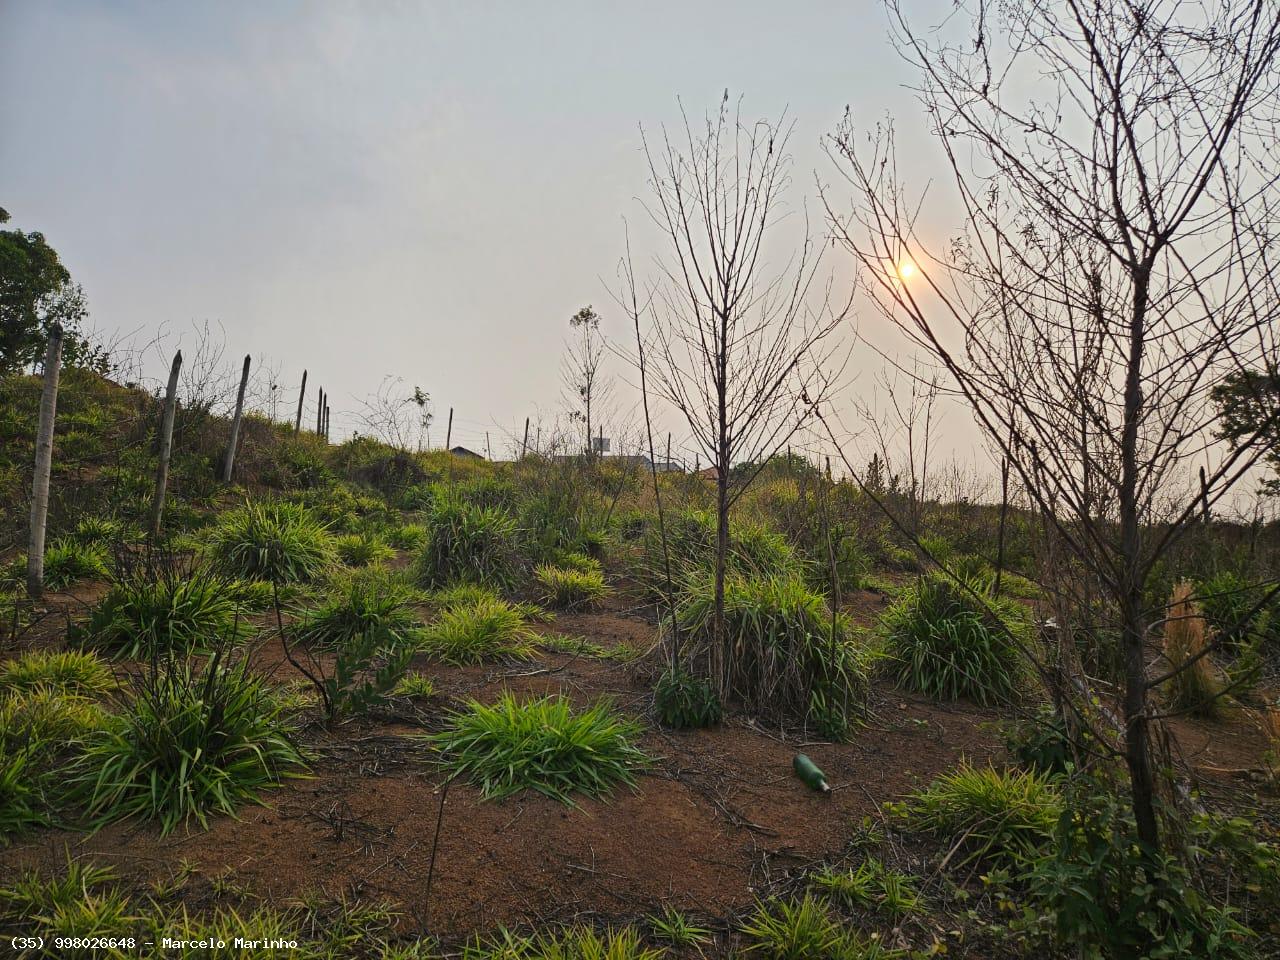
(808, 771)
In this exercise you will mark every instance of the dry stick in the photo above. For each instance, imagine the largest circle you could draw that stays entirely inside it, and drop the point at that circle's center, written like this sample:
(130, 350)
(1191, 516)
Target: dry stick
(448, 433)
(166, 445)
(1004, 513)
(229, 461)
(302, 394)
(524, 444)
(431, 869)
(44, 463)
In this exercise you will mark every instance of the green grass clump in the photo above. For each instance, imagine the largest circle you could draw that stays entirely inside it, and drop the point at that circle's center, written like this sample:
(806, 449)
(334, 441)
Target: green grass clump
(61, 670)
(544, 745)
(783, 646)
(103, 531)
(67, 561)
(486, 629)
(804, 930)
(947, 643)
(684, 701)
(140, 618)
(22, 804)
(415, 685)
(872, 886)
(1002, 818)
(570, 589)
(362, 549)
(360, 606)
(46, 719)
(678, 929)
(573, 943)
(272, 540)
(410, 536)
(191, 742)
(468, 543)
(85, 902)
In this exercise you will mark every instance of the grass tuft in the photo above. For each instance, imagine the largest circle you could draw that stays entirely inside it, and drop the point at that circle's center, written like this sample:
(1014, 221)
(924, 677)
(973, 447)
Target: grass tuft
(804, 930)
(544, 745)
(564, 588)
(487, 629)
(172, 615)
(468, 544)
(274, 540)
(61, 670)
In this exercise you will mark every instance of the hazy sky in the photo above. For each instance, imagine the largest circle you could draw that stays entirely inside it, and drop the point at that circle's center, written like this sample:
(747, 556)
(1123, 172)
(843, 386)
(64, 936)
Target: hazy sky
(423, 190)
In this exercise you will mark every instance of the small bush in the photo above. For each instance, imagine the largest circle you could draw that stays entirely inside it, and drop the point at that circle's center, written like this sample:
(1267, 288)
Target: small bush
(67, 561)
(485, 629)
(140, 618)
(361, 549)
(685, 702)
(786, 646)
(190, 743)
(371, 607)
(803, 930)
(947, 643)
(1003, 818)
(274, 540)
(468, 544)
(543, 745)
(566, 589)
(60, 670)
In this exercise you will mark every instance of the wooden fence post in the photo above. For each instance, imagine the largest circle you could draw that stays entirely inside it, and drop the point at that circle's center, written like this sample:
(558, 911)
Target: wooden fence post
(229, 461)
(326, 420)
(488, 453)
(302, 393)
(166, 444)
(1205, 514)
(44, 463)
(524, 445)
(448, 434)
(319, 411)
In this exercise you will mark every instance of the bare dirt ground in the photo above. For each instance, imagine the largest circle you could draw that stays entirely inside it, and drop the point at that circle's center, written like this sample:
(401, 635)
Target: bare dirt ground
(715, 821)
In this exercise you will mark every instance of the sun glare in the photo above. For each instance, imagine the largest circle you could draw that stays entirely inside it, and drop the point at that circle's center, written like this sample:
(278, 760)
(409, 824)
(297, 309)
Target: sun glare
(905, 269)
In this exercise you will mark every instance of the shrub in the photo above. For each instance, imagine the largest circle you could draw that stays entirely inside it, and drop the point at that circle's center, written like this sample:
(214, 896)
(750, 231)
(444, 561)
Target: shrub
(47, 720)
(371, 607)
(410, 536)
(485, 629)
(273, 540)
(190, 743)
(1003, 818)
(785, 645)
(685, 702)
(872, 886)
(363, 674)
(361, 549)
(174, 614)
(803, 930)
(947, 643)
(67, 561)
(567, 589)
(469, 544)
(60, 670)
(542, 745)
(1234, 607)
(1194, 687)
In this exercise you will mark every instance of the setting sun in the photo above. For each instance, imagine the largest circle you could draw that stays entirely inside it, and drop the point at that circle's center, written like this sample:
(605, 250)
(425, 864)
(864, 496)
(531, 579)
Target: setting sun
(905, 269)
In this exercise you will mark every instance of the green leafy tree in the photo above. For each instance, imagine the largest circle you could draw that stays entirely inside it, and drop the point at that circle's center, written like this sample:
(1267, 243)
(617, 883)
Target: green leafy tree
(36, 291)
(1248, 402)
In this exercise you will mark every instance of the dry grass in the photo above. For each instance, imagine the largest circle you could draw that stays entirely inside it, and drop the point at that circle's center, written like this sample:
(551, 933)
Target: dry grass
(1194, 688)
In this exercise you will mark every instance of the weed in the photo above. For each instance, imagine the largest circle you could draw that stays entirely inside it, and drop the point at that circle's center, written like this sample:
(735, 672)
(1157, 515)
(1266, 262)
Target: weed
(415, 685)
(275, 540)
(140, 618)
(484, 630)
(374, 608)
(678, 929)
(543, 745)
(568, 589)
(61, 670)
(468, 543)
(684, 701)
(362, 549)
(804, 930)
(871, 885)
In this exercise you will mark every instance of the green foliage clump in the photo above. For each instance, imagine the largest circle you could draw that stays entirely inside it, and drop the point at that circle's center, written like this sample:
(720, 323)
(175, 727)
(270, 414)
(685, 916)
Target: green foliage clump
(1003, 818)
(272, 540)
(790, 654)
(871, 885)
(684, 701)
(22, 805)
(544, 745)
(574, 943)
(409, 536)
(361, 549)
(468, 544)
(804, 930)
(191, 742)
(375, 607)
(948, 643)
(1237, 610)
(67, 561)
(364, 674)
(60, 670)
(485, 628)
(570, 589)
(140, 618)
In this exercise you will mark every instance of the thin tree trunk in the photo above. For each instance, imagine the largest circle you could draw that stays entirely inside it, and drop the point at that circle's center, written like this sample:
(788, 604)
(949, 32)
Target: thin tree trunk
(166, 444)
(1132, 622)
(448, 433)
(229, 461)
(1004, 512)
(44, 463)
(302, 395)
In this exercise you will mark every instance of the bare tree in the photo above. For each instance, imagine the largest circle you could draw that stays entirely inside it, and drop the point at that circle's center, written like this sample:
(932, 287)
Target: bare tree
(397, 416)
(587, 389)
(736, 346)
(1116, 165)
